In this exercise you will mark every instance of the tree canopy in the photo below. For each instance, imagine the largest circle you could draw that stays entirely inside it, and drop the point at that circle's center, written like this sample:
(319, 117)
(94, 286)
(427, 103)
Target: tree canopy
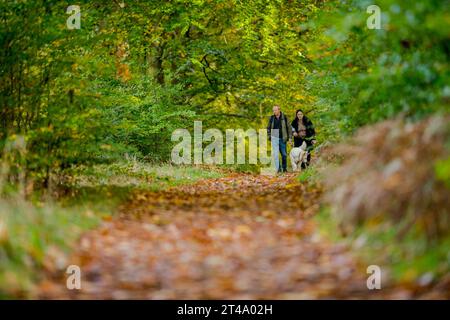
(136, 70)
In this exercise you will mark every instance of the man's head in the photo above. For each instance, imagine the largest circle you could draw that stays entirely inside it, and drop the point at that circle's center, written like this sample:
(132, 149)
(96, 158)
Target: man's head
(276, 111)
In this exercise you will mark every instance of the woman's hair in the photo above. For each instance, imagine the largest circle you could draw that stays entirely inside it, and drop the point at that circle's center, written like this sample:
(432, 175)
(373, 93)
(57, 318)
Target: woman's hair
(305, 119)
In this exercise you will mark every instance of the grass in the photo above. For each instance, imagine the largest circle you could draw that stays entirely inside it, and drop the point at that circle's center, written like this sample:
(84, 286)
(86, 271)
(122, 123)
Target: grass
(86, 184)
(310, 175)
(36, 235)
(136, 174)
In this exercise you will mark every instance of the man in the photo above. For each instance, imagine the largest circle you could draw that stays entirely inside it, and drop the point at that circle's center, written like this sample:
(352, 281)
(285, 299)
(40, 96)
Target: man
(279, 132)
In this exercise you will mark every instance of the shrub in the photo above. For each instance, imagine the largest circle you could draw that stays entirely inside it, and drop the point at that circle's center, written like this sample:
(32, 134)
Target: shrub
(389, 173)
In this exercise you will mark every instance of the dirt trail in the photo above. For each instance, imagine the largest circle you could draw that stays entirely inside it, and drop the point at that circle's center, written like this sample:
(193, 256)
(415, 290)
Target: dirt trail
(239, 237)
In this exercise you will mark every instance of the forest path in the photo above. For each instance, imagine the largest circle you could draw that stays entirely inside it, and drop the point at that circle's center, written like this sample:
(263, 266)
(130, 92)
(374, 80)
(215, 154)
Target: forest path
(238, 237)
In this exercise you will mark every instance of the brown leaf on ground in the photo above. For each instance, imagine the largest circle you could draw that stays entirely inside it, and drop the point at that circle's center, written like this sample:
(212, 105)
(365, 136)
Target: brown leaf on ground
(239, 237)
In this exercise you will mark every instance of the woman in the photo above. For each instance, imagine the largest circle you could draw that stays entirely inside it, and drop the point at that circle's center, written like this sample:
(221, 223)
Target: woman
(303, 130)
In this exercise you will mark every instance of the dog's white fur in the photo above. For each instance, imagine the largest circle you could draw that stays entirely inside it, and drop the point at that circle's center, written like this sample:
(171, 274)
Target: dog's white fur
(298, 155)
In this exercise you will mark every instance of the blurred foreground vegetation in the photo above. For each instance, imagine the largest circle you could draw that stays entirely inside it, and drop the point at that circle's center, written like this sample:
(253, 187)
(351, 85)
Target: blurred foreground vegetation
(36, 234)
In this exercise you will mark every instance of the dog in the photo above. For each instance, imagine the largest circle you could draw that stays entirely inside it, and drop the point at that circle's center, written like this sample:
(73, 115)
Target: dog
(298, 156)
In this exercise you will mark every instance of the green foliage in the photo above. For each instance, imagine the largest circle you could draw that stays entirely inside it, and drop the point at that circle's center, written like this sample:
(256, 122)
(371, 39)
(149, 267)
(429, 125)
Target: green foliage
(76, 103)
(364, 75)
(310, 174)
(442, 169)
(144, 115)
(131, 75)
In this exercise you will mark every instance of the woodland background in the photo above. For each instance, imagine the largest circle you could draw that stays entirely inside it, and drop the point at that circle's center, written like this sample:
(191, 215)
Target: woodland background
(94, 109)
